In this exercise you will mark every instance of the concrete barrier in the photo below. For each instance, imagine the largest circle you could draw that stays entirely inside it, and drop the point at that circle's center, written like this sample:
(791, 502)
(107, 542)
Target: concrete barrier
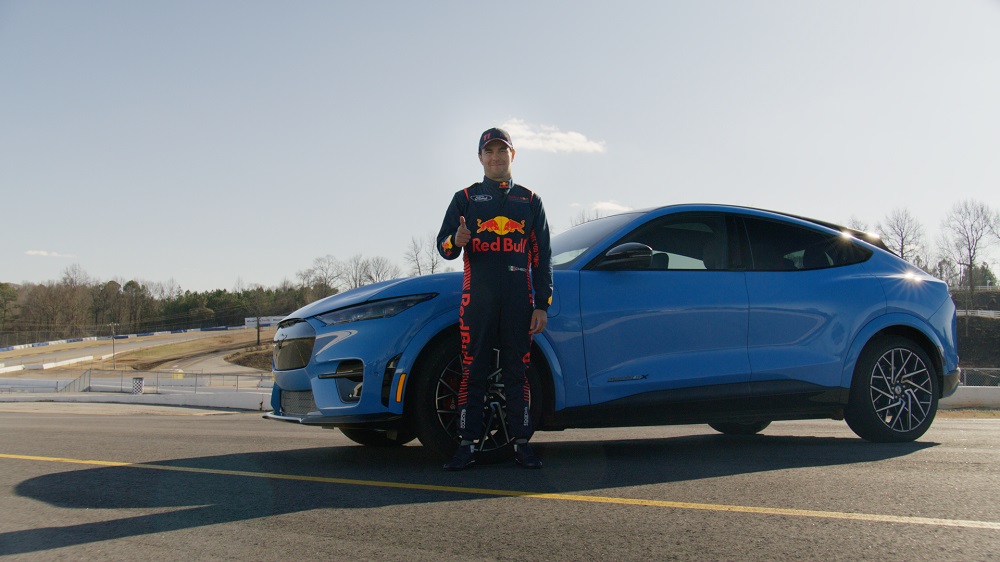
(254, 401)
(973, 397)
(964, 397)
(45, 366)
(119, 337)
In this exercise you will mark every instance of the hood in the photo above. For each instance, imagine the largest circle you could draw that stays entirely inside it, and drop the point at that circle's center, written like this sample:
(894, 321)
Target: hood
(439, 283)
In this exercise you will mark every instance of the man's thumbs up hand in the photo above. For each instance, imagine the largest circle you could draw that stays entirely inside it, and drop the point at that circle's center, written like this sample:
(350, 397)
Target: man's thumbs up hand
(463, 234)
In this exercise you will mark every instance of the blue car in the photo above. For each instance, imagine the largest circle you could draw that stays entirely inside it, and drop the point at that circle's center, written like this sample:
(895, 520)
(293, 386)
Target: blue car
(730, 316)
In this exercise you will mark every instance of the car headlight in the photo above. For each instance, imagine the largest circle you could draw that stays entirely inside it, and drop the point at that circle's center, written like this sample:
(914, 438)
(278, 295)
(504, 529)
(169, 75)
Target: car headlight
(373, 309)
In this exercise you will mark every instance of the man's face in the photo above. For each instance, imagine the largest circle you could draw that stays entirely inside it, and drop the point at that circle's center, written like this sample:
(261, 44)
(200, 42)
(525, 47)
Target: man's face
(496, 158)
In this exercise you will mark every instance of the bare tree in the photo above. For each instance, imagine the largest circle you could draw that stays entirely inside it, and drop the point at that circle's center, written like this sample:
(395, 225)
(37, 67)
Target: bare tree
(359, 271)
(414, 256)
(903, 234)
(585, 216)
(75, 276)
(945, 270)
(288, 297)
(422, 255)
(381, 269)
(967, 231)
(858, 224)
(432, 259)
(324, 277)
(355, 272)
(75, 294)
(170, 290)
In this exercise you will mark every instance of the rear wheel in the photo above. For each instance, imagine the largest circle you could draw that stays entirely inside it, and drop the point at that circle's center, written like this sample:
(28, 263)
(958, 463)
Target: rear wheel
(378, 437)
(733, 428)
(435, 404)
(894, 394)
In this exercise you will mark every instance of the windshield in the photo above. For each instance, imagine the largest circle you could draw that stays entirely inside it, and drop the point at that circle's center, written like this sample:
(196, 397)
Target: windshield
(569, 245)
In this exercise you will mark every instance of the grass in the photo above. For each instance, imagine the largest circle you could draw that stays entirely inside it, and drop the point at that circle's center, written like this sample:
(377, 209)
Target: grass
(149, 358)
(256, 357)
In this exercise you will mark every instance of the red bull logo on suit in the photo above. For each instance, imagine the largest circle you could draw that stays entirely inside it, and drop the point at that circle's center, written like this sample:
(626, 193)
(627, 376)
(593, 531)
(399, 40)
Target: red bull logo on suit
(500, 225)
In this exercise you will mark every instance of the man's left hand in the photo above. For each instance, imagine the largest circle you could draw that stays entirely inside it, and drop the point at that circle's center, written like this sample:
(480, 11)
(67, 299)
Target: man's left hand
(538, 320)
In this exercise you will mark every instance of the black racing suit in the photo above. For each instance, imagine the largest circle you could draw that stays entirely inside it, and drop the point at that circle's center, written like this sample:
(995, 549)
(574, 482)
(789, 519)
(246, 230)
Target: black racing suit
(507, 257)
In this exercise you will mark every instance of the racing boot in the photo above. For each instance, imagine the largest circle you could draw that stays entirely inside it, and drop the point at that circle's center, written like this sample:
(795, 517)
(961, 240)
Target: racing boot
(464, 457)
(524, 456)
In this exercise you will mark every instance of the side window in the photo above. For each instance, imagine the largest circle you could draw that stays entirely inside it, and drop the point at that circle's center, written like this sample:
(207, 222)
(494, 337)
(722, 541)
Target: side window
(685, 242)
(777, 246)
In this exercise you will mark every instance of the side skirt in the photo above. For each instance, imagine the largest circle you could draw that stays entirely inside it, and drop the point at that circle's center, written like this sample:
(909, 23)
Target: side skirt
(771, 401)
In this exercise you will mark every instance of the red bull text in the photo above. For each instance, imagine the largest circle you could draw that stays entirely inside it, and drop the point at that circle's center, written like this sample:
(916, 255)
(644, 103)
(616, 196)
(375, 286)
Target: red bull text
(499, 245)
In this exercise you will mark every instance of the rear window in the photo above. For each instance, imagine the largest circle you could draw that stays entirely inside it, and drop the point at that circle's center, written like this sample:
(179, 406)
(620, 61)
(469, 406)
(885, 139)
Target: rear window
(778, 246)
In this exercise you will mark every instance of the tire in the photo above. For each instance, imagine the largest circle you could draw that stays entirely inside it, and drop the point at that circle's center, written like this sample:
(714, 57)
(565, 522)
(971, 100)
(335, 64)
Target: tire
(378, 437)
(894, 392)
(734, 428)
(435, 404)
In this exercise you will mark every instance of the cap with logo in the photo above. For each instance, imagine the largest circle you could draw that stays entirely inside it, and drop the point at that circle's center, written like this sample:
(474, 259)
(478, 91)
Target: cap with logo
(492, 135)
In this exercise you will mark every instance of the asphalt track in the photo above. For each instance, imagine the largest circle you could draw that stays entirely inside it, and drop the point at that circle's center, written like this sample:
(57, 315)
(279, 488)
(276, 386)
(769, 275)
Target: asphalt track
(127, 482)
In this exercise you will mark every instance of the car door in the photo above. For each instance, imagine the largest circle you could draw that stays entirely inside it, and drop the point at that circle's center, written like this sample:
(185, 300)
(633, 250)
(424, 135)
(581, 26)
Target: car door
(809, 295)
(678, 322)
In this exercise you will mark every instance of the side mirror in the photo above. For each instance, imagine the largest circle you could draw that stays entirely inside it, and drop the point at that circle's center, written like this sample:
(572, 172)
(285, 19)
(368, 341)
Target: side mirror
(631, 255)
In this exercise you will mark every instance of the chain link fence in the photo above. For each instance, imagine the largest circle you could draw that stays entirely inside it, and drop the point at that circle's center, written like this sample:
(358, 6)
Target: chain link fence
(144, 382)
(973, 376)
(168, 382)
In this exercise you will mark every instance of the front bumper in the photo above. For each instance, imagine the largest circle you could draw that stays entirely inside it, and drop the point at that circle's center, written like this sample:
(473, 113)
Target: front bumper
(373, 421)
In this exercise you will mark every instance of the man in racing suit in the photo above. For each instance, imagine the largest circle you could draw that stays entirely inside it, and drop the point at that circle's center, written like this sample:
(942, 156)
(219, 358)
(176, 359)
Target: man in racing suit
(502, 229)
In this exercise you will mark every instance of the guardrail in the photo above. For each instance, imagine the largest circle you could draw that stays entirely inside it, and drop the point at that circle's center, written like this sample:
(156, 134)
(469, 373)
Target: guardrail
(979, 313)
(119, 337)
(978, 288)
(168, 382)
(150, 382)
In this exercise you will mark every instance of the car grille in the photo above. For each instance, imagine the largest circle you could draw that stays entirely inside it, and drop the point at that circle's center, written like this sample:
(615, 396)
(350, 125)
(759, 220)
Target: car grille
(297, 402)
(292, 354)
(293, 344)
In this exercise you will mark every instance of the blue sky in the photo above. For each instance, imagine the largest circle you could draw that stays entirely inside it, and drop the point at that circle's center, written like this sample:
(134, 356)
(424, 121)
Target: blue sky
(211, 142)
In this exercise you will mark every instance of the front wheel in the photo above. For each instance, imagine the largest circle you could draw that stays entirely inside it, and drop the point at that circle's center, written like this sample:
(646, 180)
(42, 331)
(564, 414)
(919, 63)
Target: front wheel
(435, 404)
(894, 394)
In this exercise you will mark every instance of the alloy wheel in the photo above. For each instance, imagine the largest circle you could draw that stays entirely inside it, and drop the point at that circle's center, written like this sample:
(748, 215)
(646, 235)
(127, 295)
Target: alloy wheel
(901, 390)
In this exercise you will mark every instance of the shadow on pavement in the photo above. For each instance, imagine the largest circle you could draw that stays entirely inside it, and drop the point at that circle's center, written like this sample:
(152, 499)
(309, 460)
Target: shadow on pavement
(194, 499)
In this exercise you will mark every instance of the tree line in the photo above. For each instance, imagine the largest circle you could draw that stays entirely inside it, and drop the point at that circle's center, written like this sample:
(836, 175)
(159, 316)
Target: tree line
(79, 306)
(958, 256)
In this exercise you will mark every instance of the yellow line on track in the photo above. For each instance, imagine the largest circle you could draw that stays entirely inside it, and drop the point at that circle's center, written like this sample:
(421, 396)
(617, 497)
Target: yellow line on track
(968, 524)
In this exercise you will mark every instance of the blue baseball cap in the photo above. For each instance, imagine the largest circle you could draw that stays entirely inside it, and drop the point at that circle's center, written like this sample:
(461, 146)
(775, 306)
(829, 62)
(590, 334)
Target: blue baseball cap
(492, 135)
